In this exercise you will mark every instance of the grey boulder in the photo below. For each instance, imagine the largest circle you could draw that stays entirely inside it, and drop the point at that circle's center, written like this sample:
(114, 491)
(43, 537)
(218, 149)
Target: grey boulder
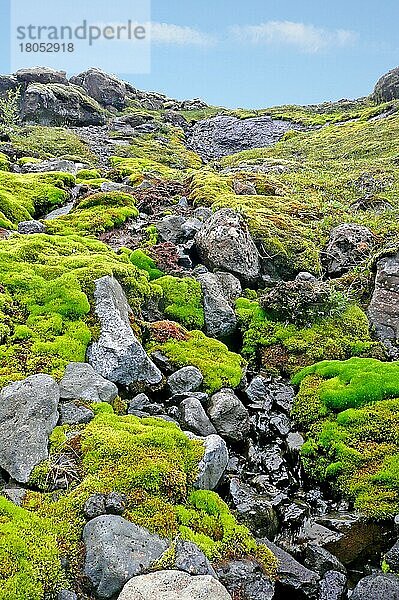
(220, 318)
(107, 89)
(333, 586)
(185, 380)
(81, 382)
(116, 551)
(379, 585)
(194, 417)
(41, 75)
(71, 414)
(383, 309)
(255, 510)
(246, 579)
(28, 415)
(30, 227)
(189, 558)
(224, 243)
(387, 87)
(349, 245)
(213, 464)
(229, 415)
(118, 355)
(174, 585)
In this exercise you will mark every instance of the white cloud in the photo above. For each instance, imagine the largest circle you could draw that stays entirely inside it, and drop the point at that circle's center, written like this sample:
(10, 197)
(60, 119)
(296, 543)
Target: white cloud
(307, 38)
(180, 35)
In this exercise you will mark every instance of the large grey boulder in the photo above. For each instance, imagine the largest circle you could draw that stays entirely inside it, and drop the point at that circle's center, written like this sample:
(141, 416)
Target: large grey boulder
(220, 318)
(213, 464)
(116, 551)
(223, 135)
(57, 104)
(28, 415)
(378, 586)
(224, 243)
(383, 310)
(118, 355)
(185, 380)
(349, 245)
(53, 164)
(107, 89)
(31, 227)
(333, 586)
(81, 382)
(41, 75)
(387, 87)
(229, 415)
(194, 417)
(245, 579)
(174, 585)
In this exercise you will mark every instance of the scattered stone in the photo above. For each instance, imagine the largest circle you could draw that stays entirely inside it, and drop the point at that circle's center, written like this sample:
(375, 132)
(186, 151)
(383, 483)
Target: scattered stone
(213, 464)
(170, 229)
(174, 585)
(321, 560)
(382, 312)
(31, 227)
(184, 381)
(220, 318)
(81, 382)
(245, 579)
(28, 415)
(387, 87)
(116, 551)
(105, 88)
(253, 509)
(94, 506)
(229, 415)
(349, 245)
(194, 417)
(53, 164)
(71, 414)
(139, 402)
(112, 186)
(378, 586)
(333, 586)
(118, 355)
(115, 503)
(66, 595)
(190, 559)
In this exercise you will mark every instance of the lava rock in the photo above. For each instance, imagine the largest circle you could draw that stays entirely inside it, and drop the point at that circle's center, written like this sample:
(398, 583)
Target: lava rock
(81, 382)
(245, 579)
(173, 585)
(170, 229)
(349, 245)
(70, 414)
(30, 227)
(184, 381)
(382, 312)
(224, 243)
(116, 551)
(28, 415)
(190, 559)
(118, 355)
(105, 88)
(229, 415)
(94, 506)
(213, 464)
(230, 286)
(333, 586)
(253, 509)
(321, 560)
(378, 585)
(115, 503)
(220, 318)
(194, 417)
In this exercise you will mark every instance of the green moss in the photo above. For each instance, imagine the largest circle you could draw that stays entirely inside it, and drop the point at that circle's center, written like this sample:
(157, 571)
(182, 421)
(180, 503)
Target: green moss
(51, 142)
(23, 197)
(182, 300)
(350, 412)
(4, 162)
(139, 168)
(95, 214)
(219, 367)
(87, 174)
(46, 283)
(28, 160)
(144, 262)
(288, 347)
(30, 566)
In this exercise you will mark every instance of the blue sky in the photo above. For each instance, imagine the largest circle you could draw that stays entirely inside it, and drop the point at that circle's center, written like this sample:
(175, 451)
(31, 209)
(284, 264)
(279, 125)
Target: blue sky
(258, 53)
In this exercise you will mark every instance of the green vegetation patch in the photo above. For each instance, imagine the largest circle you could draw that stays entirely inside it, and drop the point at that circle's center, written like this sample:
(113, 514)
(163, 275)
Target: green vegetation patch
(45, 313)
(144, 262)
(23, 197)
(350, 413)
(50, 142)
(95, 214)
(219, 367)
(181, 300)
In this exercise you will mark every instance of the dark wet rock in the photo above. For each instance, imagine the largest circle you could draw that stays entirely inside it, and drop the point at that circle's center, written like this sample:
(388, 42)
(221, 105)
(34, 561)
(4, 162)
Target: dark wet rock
(220, 318)
(387, 87)
(321, 560)
(138, 403)
(57, 104)
(174, 585)
(258, 394)
(194, 418)
(392, 558)
(81, 382)
(213, 464)
(115, 503)
(349, 245)
(333, 586)
(94, 506)
(71, 414)
(292, 577)
(296, 513)
(28, 415)
(117, 355)
(281, 424)
(31, 227)
(382, 312)
(162, 362)
(253, 509)
(224, 243)
(116, 551)
(377, 586)
(103, 87)
(190, 559)
(223, 135)
(245, 579)
(185, 380)
(41, 75)
(273, 464)
(229, 415)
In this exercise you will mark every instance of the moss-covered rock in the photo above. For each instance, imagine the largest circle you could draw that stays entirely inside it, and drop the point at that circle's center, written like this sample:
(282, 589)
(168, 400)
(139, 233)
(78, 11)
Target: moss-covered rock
(181, 300)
